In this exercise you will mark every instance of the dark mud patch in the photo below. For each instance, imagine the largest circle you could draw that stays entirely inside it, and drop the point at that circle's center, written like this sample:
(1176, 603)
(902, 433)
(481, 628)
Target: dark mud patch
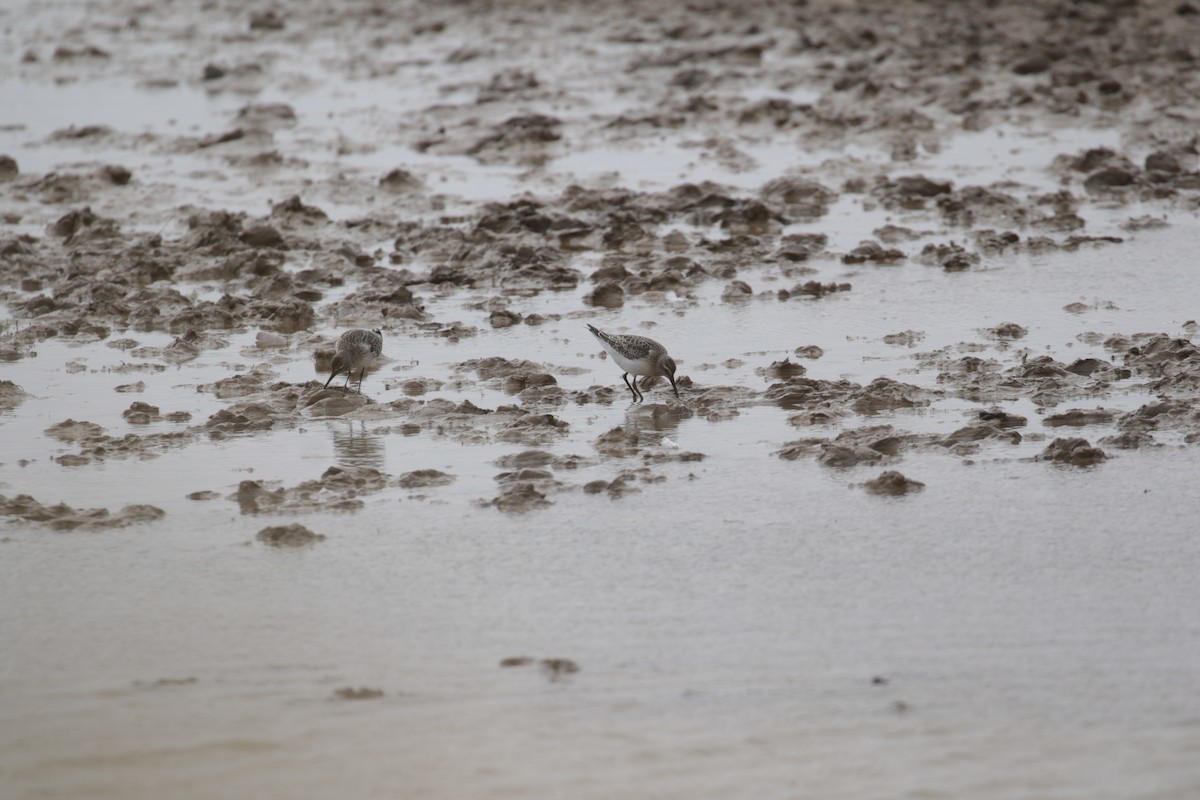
(519, 497)
(1078, 417)
(164, 683)
(96, 445)
(62, 517)
(11, 395)
(424, 479)
(554, 669)
(1073, 452)
(339, 489)
(558, 669)
(293, 535)
(892, 484)
(361, 693)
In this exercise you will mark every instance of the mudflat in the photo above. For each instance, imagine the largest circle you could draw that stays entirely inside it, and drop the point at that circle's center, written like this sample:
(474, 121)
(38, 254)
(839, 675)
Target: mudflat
(920, 522)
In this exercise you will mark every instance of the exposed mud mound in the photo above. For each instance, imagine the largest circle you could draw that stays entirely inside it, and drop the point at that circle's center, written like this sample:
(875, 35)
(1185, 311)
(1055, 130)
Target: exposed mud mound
(62, 517)
(519, 497)
(424, 478)
(96, 445)
(338, 489)
(11, 395)
(892, 483)
(1075, 452)
(293, 535)
(1078, 417)
(361, 693)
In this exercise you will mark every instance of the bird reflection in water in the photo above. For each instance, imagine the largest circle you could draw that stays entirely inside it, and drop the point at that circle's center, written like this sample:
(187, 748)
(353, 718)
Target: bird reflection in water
(657, 418)
(353, 446)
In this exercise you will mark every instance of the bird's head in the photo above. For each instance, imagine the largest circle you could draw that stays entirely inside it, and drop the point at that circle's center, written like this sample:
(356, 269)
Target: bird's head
(666, 368)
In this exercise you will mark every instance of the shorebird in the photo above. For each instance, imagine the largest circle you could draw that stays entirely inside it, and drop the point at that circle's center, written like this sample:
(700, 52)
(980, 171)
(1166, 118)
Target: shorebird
(356, 349)
(637, 355)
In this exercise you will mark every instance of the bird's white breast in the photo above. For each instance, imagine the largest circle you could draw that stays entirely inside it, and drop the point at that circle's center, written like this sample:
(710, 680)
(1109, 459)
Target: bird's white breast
(630, 365)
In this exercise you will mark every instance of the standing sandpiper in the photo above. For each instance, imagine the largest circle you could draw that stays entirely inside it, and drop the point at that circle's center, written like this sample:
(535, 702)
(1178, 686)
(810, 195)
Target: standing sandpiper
(637, 355)
(356, 349)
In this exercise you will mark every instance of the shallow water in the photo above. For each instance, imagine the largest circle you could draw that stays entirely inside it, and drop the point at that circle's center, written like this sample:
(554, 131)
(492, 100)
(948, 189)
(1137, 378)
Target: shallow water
(1014, 616)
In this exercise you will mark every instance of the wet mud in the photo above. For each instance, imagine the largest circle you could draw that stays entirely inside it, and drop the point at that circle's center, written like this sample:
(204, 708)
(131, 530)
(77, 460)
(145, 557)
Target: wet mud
(82, 268)
(62, 517)
(288, 536)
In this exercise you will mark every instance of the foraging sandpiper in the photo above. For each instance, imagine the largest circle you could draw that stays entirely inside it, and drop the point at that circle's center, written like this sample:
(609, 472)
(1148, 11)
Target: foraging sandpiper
(637, 355)
(356, 349)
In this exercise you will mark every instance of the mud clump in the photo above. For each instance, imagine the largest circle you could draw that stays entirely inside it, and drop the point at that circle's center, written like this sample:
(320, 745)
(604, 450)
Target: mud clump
(62, 517)
(846, 455)
(907, 338)
(606, 295)
(893, 484)
(361, 693)
(557, 669)
(533, 429)
(11, 395)
(1088, 366)
(737, 290)
(1078, 417)
(518, 138)
(338, 489)
(814, 289)
(248, 417)
(504, 318)
(1165, 357)
(424, 478)
(874, 253)
(269, 20)
(867, 445)
(519, 498)
(293, 535)
(951, 257)
(619, 442)
(885, 394)
(96, 445)
(615, 489)
(495, 367)
(8, 168)
(554, 669)
(140, 413)
(1075, 452)
(516, 661)
(782, 370)
(525, 459)
(1008, 331)
(1130, 440)
(71, 431)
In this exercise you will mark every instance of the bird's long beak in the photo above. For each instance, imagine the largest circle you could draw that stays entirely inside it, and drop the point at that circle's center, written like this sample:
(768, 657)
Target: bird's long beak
(673, 386)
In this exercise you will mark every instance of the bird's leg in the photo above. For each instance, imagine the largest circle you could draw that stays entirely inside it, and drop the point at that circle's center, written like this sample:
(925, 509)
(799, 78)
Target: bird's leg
(361, 375)
(625, 377)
